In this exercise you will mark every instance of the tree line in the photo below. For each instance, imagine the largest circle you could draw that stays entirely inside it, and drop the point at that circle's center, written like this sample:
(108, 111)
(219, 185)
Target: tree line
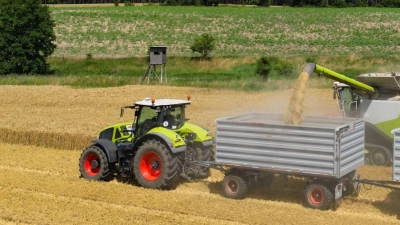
(294, 3)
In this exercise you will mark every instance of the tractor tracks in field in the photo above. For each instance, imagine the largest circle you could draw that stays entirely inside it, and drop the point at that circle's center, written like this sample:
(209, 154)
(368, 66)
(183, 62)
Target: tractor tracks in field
(37, 171)
(104, 204)
(46, 183)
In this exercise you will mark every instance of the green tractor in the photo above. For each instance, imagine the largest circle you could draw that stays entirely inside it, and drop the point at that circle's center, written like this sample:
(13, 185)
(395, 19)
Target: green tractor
(158, 148)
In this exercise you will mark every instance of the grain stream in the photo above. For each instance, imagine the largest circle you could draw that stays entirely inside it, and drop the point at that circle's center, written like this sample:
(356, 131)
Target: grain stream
(294, 113)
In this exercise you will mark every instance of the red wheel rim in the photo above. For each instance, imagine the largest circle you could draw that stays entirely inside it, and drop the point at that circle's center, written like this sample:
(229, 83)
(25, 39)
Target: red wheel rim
(151, 166)
(316, 196)
(232, 186)
(88, 166)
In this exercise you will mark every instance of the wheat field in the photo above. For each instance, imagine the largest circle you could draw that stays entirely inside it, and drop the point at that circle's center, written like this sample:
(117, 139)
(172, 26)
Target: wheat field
(40, 184)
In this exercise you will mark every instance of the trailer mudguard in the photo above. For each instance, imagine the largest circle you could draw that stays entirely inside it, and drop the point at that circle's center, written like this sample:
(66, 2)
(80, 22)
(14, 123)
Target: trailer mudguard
(109, 148)
(338, 193)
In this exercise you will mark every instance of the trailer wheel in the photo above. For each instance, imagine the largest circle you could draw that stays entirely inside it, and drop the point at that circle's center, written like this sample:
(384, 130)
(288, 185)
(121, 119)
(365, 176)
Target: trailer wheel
(318, 196)
(154, 166)
(234, 186)
(94, 165)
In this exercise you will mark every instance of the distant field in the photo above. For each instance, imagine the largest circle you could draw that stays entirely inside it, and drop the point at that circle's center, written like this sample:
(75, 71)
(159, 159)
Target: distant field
(128, 31)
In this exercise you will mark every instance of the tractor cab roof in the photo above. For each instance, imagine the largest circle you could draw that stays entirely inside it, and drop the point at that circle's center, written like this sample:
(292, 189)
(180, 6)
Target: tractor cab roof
(161, 102)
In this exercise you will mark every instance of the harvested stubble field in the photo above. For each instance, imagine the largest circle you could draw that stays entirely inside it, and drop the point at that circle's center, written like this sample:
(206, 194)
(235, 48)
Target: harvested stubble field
(41, 185)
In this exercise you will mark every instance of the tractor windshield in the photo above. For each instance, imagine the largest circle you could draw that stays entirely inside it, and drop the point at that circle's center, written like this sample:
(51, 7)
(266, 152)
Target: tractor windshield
(147, 119)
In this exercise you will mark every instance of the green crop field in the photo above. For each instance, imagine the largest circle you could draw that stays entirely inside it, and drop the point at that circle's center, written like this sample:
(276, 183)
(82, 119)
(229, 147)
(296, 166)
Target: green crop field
(102, 46)
(120, 32)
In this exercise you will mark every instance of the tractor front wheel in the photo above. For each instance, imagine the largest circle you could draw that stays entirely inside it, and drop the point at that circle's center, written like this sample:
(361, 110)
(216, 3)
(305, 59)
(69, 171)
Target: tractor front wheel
(155, 166)
(94, 165)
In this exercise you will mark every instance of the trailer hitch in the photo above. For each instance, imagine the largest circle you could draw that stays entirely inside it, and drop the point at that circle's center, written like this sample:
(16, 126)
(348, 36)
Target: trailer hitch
(393, 185)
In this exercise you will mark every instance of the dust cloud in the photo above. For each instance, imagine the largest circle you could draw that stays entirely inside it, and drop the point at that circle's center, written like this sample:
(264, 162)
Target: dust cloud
(294, 113)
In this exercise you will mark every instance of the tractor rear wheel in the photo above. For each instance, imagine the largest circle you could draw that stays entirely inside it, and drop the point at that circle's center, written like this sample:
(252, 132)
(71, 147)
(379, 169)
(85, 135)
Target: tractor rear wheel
(234, 186)
(94, 165)
(156, 167)
(318, 196)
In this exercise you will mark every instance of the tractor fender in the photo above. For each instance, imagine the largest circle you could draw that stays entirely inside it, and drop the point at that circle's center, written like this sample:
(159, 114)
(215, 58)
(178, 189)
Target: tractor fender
(161, 137)
(108, 147)
(208, 143)
(202, 134)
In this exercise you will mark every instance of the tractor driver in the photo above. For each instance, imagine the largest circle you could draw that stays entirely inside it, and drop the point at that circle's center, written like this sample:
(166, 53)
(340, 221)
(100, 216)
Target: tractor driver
(169, 120)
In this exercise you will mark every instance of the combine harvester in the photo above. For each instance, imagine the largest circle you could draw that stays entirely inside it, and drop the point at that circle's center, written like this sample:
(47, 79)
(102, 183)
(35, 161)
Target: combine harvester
(374, 97)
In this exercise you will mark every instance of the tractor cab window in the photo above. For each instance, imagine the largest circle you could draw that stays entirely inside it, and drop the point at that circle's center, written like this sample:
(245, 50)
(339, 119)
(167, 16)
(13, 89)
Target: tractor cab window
(147, 119)
(173, 117)
(348, 102)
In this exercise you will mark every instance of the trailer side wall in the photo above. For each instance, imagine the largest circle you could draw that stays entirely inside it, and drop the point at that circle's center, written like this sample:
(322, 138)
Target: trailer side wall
(261, 141)
(352, 148)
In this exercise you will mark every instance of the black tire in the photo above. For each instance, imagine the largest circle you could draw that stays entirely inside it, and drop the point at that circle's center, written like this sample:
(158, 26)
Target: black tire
(318, 196)
(234, 186)
(94, 165)
(378, 155)
(205, 154)
(154, 166)
(266, 180)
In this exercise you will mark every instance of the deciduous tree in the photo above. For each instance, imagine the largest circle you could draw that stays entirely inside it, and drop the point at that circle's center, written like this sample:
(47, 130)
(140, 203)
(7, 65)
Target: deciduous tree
(203, 45)
(26, 37)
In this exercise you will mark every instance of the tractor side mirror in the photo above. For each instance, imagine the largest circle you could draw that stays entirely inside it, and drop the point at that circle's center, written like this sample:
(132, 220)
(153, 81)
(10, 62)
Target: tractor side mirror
(334, 94)
(122, 112)
(136, 113)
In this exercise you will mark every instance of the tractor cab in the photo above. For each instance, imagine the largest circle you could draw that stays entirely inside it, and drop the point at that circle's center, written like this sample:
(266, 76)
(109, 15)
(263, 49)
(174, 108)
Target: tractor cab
(165, 113)
(348, 100)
